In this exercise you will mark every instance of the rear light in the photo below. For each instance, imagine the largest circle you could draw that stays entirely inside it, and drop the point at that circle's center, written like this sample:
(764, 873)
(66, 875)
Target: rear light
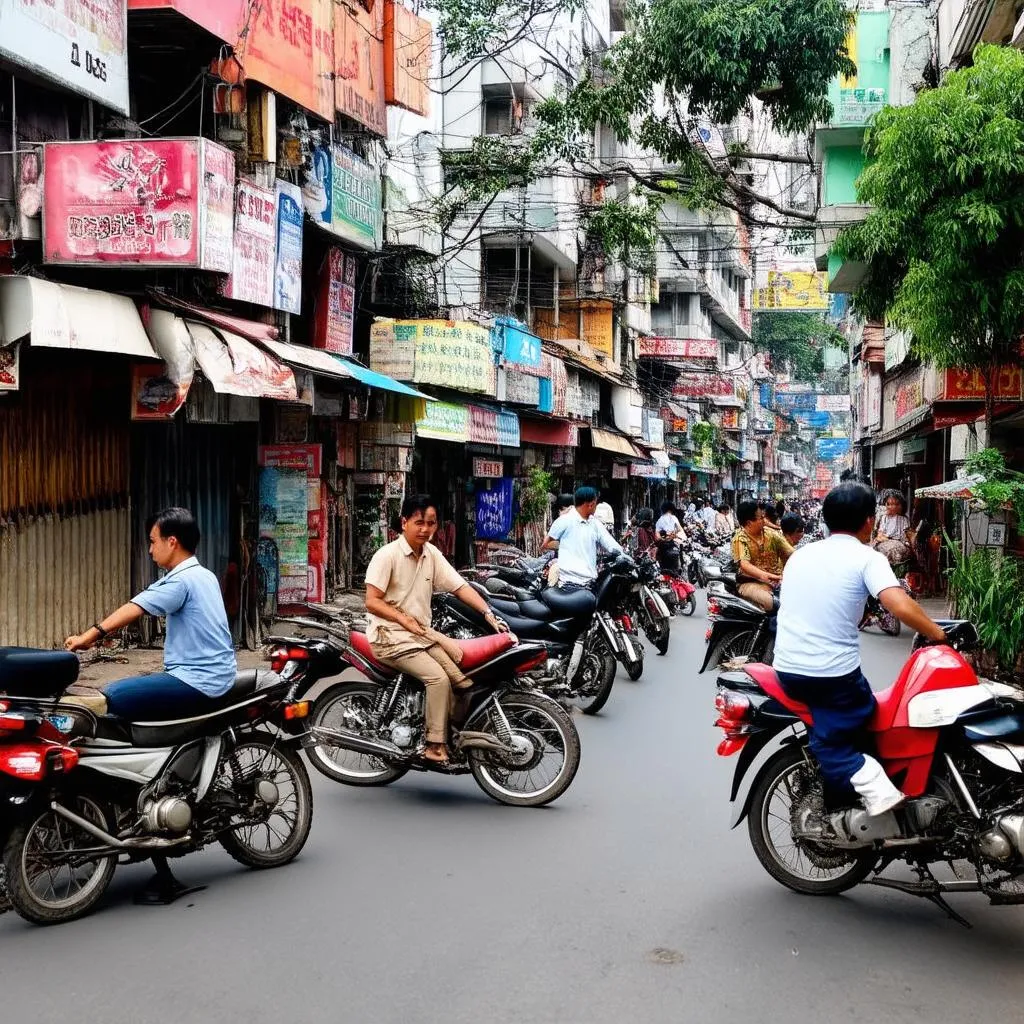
(531, 663)
(627, 623)
(729, 747)
(707, 635)
(714, 608)
(298, 710)
(733, 711)
(12, 723)
(732, 706)
(33, 761)
(280, 656)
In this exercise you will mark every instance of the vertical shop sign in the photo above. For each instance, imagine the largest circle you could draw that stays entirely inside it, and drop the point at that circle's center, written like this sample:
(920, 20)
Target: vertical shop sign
(9, 367)
(494, 510)
(359, 64)
(288, 265)
(335, 312)
(407, 54)
(356, 198)
(317, 186)
(135, 201)
(252, 270)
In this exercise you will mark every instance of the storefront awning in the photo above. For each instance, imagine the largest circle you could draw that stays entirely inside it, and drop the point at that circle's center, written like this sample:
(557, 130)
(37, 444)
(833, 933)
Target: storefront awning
(253, 330)
(315, 360)
(727, 402)
(660, 458)
(234, 366)
(378, 380)
(554, 432)
(611, 442)
(951, 489)
(62, 316)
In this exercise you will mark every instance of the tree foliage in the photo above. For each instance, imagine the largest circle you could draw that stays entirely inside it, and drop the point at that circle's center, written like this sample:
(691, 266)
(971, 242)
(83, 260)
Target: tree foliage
(797, 340)
(944, 242)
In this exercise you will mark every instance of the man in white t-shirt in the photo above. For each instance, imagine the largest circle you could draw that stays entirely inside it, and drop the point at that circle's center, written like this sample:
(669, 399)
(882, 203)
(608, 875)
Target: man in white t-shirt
(817, 646)
(579, 537)
(669, 525)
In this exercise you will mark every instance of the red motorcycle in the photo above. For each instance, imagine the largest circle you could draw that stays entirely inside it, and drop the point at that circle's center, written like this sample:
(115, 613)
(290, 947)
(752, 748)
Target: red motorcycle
(954, 745)
(684, 590)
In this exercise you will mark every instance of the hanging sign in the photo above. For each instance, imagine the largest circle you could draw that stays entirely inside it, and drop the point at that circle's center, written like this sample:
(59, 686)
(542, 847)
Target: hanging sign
(451, 354)
(494, 510)
(679, 348)
(444, 421)
(335, 310)
(288, 265)
(488, 468)
(10, 377)
(252, 270)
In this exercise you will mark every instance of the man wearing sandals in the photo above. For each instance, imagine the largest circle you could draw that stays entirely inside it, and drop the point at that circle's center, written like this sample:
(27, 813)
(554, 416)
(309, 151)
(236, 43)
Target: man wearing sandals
(401, 579)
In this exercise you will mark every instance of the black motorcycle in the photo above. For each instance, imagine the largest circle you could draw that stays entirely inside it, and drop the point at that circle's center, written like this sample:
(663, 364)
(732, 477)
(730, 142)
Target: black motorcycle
(737, 628)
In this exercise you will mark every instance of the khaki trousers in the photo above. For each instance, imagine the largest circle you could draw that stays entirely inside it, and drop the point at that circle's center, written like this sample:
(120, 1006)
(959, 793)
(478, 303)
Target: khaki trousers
(757, 593)
(433, 667)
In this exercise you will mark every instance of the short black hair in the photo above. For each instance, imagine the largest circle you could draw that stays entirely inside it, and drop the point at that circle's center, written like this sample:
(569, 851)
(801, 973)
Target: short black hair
(848, 507)
(746, 511)
(417, 503)
(699, 502)
(584, 495)
(178, 523)
(771, 513)
(792, 523)
(667, 506)
(564, 501)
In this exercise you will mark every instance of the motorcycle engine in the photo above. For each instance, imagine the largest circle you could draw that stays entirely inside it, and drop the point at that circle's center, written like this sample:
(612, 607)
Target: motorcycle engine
(167, 814)
(1005, 840)
(402, 735)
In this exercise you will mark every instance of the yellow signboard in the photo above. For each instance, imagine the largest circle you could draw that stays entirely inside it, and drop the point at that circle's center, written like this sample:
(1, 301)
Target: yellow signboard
(793, 289)
(451, 354)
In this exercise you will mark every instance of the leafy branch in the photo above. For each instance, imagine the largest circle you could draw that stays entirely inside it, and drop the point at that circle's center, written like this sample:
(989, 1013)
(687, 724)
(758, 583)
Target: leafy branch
(999, 487)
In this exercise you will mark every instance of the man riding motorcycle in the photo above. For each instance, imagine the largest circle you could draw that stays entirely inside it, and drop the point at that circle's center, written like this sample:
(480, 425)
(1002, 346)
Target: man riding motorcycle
(401, 579)
(760, 555)
(817, 651)
(578, 538)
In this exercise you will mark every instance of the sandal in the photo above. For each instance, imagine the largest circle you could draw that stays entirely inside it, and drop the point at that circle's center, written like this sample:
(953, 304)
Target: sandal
(435, 756)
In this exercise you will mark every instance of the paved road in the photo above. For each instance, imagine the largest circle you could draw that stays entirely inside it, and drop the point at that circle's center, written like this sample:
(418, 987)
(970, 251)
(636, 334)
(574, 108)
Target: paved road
(628, 901)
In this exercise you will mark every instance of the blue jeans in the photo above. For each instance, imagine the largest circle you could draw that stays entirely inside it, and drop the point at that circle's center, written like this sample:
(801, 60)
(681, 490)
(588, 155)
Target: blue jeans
(842, 707)
(154, 698)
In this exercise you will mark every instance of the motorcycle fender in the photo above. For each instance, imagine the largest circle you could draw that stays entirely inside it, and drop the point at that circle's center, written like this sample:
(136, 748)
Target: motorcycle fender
(611, 632)
(655, 605)
(629, 648)
(720, 628)
(756, 753)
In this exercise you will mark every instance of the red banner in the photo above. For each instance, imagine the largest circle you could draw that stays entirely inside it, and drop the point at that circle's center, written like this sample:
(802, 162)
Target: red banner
(969, 385)
(679, 348)
(335, 311)
(700, 385)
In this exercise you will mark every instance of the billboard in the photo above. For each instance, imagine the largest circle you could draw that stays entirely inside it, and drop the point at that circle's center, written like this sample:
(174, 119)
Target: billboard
(701, 385)
(795, 290)
(359, 64)
(132, 202)
(407, 54)
(451, 354)
(679, 348)
(969, 385)
(253, 267)
(81, 45)
(829, 448)
(342, 194)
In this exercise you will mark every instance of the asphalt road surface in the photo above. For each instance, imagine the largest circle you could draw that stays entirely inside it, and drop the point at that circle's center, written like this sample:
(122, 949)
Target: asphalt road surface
(627, 901)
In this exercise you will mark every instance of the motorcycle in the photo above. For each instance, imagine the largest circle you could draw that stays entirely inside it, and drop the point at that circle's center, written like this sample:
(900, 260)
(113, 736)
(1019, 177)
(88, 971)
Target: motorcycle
(578, 628)
(521, 748)
(954, 744)
(81, 792)
(644, 606)
(676, 590)
(737, 629)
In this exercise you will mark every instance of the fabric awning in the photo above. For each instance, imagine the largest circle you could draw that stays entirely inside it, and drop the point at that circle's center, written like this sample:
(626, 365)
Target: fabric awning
(253, 330)
(660, 458)
(554, 432)
(612, 442)
(315, 360)
(55, 315)
(378, 380)
(234, 366)
(951, 489)
(727, 402)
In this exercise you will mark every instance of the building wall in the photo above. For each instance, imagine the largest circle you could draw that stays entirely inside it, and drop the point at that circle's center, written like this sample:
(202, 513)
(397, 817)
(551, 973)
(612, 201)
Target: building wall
(840, 170)
(869, 48)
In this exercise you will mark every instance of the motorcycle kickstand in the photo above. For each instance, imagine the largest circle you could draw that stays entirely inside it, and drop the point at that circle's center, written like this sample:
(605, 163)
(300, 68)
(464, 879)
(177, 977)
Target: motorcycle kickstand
(927, 888)
(163, 888)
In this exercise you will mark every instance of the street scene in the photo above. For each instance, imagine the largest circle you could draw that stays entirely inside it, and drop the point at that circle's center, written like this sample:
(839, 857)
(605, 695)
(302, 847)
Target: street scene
(511, 511)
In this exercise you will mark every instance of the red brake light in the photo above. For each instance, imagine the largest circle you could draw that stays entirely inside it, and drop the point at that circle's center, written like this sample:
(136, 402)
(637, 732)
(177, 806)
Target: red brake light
(627, 623)
(280, 656)
(12, 723)
(730, 746)
(714, 608)
(731, 706)
(531, 663)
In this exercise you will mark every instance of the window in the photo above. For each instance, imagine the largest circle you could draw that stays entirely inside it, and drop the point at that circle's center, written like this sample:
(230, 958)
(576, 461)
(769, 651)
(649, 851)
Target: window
(498, 116)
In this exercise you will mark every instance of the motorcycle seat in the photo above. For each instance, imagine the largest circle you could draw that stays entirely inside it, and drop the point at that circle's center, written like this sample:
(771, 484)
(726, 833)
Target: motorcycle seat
(27, 672)
(522, 609)
(475, 652)
(767, 678)
(569, 604)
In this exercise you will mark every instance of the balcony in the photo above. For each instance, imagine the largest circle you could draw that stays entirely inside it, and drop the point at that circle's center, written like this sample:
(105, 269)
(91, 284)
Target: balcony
(723, 305)
(842, 277)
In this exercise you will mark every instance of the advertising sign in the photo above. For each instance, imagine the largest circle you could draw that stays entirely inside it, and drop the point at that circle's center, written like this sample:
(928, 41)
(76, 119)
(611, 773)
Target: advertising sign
(700, 385)
(453, 354)
(407, 53)
(832, 447)
(10, 377)
(816, 420)
(81, 45)
(138, 202)
(969, 385)
(518, 344)
(444, 421)
(909, 396)
(833, 403)
(793, 289)
(494, 510)
(335, 313)
(356, 210)
(252, 270)
(522, 388)
(359, 64)
(488, 468)
(679, 348)
(795, 401)
(288, 265)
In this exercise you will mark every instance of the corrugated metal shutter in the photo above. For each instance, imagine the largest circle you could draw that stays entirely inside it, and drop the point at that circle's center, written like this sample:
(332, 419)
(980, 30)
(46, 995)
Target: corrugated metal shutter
(59, 574)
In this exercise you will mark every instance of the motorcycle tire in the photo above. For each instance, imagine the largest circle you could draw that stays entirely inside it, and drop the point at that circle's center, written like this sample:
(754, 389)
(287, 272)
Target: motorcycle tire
(528, 711)
(634, 669)
(660, 637)
(245, 851)
(689, 606)
(18, 858)
(733, 645)
(378, 773)
(775, 774)
(592, 703)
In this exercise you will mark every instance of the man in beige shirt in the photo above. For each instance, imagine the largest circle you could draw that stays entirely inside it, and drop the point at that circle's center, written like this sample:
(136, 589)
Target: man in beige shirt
(401, 579)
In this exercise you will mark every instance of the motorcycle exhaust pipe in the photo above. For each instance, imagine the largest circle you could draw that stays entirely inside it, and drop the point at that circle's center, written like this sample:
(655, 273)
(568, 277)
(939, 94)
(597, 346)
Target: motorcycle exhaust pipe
(481, 741)
(139, 843)
(359, 744)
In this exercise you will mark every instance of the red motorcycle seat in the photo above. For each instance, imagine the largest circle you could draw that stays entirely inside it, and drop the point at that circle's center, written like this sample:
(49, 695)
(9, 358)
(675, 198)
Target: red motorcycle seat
(475, 652)
(767, 678)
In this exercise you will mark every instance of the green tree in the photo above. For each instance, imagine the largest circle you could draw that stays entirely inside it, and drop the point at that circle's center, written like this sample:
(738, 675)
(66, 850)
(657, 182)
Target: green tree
(944, 242)
(681, 61)
(797, 340)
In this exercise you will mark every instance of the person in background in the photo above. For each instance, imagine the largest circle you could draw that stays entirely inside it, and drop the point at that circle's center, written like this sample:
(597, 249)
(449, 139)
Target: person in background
(725, 524)
(578, 538)
(668, 526)
(760, 554)
(771, 517)
(707, 516)
(892, 535)
(564, 504)
(606, 516)
(792, 529)
(401, 579)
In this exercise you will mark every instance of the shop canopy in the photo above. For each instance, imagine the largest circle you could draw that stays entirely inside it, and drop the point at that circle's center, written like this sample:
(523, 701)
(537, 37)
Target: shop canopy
(55, 315)
(727, 402)
(378, 380)
(951, 490)
(554, 432)
(609, 441)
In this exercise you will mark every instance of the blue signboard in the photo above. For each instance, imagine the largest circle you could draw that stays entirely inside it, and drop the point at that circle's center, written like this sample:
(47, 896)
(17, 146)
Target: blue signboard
(766, 396)
(832, 447)
(547, 396)
(288, 265)
(817, 420)
(795, 401)
(519, 345)
(494, 510)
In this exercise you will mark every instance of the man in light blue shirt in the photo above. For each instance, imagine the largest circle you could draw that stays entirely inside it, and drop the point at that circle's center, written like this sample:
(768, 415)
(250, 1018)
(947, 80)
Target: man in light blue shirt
(578, 536)
(199, 658)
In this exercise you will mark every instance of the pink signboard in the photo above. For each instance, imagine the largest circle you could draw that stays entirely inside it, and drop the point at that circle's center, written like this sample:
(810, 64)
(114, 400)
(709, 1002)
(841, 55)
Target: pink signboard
(137, 201)
(252, 270)
(701, 385)
(335, 313)
(679, 348)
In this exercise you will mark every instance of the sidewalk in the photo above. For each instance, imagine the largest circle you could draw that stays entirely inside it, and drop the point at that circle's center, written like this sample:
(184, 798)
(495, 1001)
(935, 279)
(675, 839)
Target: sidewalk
(119, 663)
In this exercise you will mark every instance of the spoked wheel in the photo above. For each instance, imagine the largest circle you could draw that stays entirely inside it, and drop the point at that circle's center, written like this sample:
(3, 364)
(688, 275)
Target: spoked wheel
(734, 645)
(781, 797)
(546, 751)
(51, 874)
(272, 783)
(592, 684)
(350, 707)
(689, 606)
(634, 669)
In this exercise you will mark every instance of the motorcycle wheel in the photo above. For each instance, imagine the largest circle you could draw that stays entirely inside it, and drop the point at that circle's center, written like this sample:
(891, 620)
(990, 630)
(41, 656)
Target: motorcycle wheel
(44, 887)
(689, 606)
(273, 835)
(889, 624)
(660, 636)
(827, 871)
(550, 752)
(634, 669)
(332, 710)
(734, 645)
(602, 664)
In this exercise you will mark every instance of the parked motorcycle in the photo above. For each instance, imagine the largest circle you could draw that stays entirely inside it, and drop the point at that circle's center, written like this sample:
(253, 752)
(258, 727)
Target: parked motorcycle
(520, 746)
(737, 628)
(954, 744)
(677, 591)
(79, 792)
(644, 606)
